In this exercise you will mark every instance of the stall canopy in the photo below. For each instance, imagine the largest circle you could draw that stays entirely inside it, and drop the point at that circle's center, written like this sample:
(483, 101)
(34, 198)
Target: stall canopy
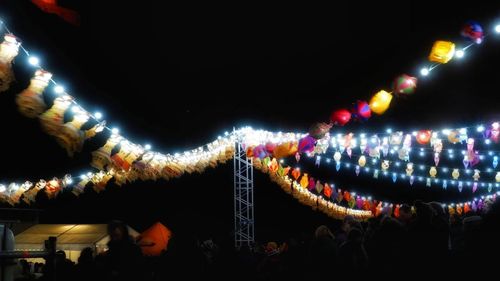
(71, 238)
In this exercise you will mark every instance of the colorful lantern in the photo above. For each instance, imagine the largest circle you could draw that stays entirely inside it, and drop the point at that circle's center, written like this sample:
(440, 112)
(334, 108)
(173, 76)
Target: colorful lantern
(340, 117)
(362, 161)
(409, 169)
(30, 101)
(380, 102)
(8, 51)
(361, 110)
(319, 130)
(442, 52)
(306, 144)
(285, 149)
(424, 136)
(473, 31)
(404, 85)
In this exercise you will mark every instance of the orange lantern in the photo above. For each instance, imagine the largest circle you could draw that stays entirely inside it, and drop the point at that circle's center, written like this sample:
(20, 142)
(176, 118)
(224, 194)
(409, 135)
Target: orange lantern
(154, 240)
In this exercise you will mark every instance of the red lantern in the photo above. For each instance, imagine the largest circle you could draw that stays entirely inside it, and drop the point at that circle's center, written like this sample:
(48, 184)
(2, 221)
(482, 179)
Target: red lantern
(424, 136)
(341, 117)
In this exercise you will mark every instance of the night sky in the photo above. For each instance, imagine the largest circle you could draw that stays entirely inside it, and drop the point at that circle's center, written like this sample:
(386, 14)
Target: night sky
(177, 77)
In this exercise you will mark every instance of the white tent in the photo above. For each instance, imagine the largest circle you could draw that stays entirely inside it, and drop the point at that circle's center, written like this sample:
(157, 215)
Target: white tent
(72, 238)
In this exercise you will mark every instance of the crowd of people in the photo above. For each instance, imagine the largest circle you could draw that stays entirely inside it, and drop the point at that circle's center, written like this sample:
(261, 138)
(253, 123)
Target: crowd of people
(422, 240)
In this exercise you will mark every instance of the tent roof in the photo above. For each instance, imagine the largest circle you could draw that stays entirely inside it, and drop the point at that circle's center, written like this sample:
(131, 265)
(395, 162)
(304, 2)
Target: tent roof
(65, 233)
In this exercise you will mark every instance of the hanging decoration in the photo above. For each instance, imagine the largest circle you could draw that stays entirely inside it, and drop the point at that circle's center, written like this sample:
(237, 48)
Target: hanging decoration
(442, 52)
(9, 49)
(404, 85)
(380, 102)
(473, 31)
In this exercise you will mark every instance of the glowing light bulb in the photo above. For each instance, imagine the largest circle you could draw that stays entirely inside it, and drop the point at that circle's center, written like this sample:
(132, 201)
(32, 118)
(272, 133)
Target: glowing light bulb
(497, 28)
(459, 54)
(59, 89)
(115, 131)
(480, 128)
(424, 71)
(98, 115)
(147, 146)
(33, 60)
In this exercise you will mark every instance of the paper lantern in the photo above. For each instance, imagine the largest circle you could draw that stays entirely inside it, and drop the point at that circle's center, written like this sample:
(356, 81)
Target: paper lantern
(70, 137)
(304, 181)
(285, 149)
(442, 52)
(380, 102)
(384, 165)
(52, 188)
(319, 130)
(404, 85)
(433, 172)
(154, 240)
(396, 138)
(340, 117)
(476, 175)
(101, 158)
(454, 136)
(409, 169)
(260, 151)
(30, 101)
(296, 173)
(306, 144)
(362, 161)
(473, 31)
(424, 136)
(497, 177)
(361, 110)
(52, 119)
(8, 51)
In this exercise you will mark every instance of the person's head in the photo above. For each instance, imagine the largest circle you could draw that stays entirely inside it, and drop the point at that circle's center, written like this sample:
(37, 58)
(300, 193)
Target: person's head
(438, 209)
(424, 211)
(60, 256)
(355, 235)
(87, 255)
(405, 214)
(323, 231)
(117, 231)
(346, 223)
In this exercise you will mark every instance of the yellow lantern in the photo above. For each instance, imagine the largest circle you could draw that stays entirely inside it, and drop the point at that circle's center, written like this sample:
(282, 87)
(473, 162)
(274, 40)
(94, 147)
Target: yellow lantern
(362, 161)
(433, 172)
(304, 181)
(455, 174)
(409, 169)
(497, 177)
(384, 165)
(30, 101)
(442, 52)
(380, 102)
(8, 51)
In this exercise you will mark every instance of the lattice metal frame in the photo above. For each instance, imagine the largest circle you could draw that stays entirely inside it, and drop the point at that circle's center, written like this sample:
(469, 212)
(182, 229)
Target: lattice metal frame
(243, 198)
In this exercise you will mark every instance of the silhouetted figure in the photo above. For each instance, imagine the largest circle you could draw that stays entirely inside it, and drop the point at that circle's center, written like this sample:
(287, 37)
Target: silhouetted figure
(323, 253)
(352, 253)
(123, 260)
(86, 267)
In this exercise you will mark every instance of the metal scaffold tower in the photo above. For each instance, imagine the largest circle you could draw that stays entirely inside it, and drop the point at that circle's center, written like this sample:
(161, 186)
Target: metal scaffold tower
(243, 197)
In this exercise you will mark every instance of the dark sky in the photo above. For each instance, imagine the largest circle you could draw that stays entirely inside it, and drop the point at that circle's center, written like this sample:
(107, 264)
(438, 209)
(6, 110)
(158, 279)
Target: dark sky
(177, 77)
